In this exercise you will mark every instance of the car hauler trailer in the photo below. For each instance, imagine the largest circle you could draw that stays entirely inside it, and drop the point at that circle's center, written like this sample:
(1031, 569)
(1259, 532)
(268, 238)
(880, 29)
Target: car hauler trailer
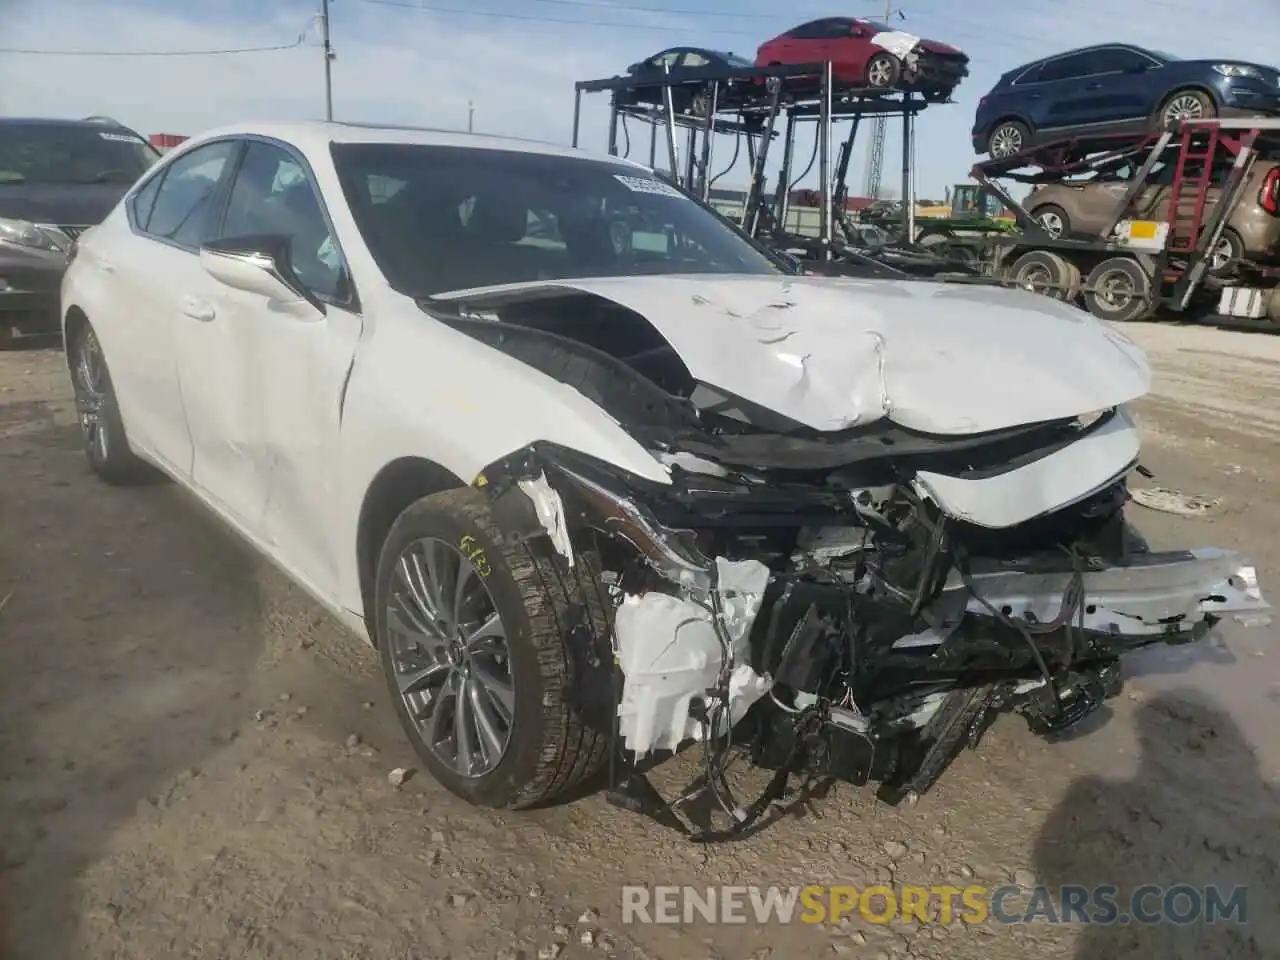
(1136, 266)
(747, 104)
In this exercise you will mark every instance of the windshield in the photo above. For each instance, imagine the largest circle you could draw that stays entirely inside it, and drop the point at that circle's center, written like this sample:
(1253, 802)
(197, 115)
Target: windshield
(74, 153)
(735, 61)
(449, 218)
(1165, 56)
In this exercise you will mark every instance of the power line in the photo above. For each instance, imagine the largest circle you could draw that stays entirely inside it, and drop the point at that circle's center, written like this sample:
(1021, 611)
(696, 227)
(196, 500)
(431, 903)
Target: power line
(227, 51)
(567, 20)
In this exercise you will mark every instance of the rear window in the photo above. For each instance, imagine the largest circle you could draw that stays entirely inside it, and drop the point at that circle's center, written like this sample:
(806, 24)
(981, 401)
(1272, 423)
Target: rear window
(72, 153)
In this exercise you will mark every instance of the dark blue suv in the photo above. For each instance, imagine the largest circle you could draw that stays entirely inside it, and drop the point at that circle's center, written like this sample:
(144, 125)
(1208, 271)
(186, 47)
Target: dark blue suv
(1114, 89)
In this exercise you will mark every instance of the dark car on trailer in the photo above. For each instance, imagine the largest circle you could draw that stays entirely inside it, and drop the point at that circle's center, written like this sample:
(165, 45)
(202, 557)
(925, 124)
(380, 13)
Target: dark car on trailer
(1115, 88)
(692, 66)
(57, 179)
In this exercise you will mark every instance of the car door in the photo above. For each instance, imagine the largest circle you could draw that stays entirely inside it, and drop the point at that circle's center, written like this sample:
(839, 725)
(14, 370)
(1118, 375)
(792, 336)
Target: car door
(1062, 100)
(267, 446)
(169, 217)
(1115, 88)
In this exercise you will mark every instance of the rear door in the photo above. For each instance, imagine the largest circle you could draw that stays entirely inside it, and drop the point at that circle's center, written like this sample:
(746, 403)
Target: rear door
(152, 269)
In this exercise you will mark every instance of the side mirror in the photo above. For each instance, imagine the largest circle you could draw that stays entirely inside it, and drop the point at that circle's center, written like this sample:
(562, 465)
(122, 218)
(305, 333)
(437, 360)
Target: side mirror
(258, 264)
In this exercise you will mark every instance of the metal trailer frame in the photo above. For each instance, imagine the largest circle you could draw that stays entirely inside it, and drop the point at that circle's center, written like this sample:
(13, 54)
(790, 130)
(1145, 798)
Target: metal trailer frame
(758, 97)
(1186, 257)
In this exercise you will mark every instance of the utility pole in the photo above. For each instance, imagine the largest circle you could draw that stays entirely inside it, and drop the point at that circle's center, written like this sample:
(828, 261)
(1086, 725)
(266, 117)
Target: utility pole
(879, 128)
(471, 117)
(329, 57)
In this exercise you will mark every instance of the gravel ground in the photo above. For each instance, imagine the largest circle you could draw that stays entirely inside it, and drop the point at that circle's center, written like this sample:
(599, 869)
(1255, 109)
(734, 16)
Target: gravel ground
(194, 758)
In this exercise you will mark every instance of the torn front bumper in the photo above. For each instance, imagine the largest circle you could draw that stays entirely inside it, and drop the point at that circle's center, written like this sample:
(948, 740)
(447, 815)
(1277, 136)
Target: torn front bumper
(1175, 596)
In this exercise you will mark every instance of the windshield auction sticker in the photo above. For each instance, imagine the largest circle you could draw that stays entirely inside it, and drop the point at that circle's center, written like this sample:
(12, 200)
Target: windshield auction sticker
(647, 185)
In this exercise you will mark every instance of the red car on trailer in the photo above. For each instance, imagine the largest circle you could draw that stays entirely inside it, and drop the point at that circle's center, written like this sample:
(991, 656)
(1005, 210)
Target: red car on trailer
(870, 55)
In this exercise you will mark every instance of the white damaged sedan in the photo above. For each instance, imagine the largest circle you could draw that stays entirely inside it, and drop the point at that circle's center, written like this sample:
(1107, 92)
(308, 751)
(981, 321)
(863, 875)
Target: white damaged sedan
(601, 478)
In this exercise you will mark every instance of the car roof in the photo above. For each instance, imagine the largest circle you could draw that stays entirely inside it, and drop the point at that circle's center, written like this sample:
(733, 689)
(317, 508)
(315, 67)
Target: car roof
(315, 136)
(95, 123)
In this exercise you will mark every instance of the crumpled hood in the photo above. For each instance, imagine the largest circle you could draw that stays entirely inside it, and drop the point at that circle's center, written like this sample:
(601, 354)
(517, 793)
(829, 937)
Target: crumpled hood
(834, 353)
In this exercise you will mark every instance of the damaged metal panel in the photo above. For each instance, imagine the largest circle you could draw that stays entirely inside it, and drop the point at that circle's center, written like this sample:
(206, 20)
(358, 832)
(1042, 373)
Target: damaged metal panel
(833, 354)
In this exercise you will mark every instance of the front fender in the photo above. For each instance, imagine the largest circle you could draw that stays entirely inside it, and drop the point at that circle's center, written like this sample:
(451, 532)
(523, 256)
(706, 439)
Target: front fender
(421, 389)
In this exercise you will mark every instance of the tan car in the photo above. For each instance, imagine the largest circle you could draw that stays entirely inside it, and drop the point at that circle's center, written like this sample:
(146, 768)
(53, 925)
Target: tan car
(1083, 207)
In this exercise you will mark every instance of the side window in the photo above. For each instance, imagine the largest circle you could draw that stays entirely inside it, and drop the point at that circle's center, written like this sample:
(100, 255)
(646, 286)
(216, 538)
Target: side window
(838, 29)
(814, 30)
(692, 59)
(183, 205)
(1034, 75)
(145, 200)
(272, 195)
(1115, 60)
(1067, 68)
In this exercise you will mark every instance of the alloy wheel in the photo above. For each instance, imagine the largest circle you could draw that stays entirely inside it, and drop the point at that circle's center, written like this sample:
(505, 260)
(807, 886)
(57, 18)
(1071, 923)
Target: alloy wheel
(91, 387)
(880, 73)
(450, 657)
(1222, 255)
(1006, 141)
(1052, 224)
(1185, 107)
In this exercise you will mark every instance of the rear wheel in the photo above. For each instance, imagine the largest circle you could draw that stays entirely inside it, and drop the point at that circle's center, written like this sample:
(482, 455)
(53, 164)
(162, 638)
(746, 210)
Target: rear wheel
(473, 630)
(105, 444)
(1119, 290)
(1007, 139)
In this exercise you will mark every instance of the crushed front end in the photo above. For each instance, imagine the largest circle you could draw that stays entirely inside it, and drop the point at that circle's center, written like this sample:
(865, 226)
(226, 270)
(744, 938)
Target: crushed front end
(840, 612)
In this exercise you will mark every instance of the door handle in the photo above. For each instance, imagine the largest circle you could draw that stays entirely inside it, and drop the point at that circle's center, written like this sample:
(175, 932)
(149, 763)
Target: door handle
(1094, 86)
(1034, 96)
(197, 309)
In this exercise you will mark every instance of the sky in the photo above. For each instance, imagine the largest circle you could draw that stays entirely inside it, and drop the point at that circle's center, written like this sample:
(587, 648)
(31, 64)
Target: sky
(428, 62)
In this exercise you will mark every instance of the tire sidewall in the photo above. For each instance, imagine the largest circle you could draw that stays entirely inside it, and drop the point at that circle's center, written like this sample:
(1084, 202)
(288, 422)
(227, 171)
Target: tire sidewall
(518, 764)
(119, 457)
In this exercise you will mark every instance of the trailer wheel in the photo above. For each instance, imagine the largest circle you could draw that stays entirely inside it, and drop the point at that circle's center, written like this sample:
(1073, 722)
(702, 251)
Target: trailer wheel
(884, 70)
(1119, 290)
(1046, 273)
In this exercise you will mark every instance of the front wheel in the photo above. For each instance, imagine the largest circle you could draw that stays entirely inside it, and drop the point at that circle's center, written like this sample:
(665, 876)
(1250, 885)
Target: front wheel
(105, 444)
(474, 629)
(884, 70)
(1007, 139)
(1185, 105)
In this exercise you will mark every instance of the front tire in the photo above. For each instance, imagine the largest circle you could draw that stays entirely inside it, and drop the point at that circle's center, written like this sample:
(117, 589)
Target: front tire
(884, 70)
(472, 629)
(1007, 139)
(1184, 105)
(1053, 220)
(105, 443)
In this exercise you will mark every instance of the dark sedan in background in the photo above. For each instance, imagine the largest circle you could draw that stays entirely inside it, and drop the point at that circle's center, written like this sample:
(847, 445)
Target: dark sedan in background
(1115, 88)
(57, 179)
(686, 62)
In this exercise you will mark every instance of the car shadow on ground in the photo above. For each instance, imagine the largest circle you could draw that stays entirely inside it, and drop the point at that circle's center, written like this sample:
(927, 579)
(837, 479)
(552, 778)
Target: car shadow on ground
(132, 626)
(1197, 776)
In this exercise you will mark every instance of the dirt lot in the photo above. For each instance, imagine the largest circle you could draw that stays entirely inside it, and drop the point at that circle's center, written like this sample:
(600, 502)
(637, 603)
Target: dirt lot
(194, 758)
